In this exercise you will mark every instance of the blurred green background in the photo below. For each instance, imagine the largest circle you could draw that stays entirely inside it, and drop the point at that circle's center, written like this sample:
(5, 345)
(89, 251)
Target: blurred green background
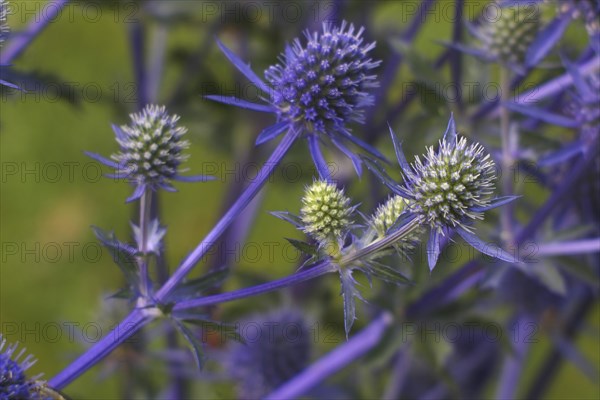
(52, 275)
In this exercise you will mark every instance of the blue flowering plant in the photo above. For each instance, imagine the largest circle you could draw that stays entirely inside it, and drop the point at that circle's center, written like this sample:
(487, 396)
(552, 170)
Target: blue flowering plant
(380, 245)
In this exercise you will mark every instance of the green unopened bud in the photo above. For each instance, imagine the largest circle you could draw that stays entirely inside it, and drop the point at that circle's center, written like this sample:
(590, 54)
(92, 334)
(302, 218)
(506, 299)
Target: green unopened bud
(387, 214)
(452, 182)
(3, 24)
(326, 212)
(151, 146)
(510, 32)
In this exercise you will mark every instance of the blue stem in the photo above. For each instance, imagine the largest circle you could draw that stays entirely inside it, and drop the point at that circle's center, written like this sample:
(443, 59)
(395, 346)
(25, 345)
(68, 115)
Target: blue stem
(19, 42)
(334, 361)
(319, 269)
(136, 318)
(130, 325)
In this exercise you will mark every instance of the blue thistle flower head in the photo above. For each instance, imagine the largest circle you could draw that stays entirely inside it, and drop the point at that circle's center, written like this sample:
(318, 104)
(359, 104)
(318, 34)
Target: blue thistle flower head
(325, 83)
(317, 88)
(277, 348)
(151, 151)
(448, 188)
(13, 381)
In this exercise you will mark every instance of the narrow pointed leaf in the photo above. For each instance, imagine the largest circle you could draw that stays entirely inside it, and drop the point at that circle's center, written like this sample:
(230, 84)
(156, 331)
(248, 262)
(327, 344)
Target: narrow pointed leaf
(388, 274)
(450, 134)
(10, 85)
(195, 287)
(122, 254)
(137, 193)
(579, 81)
(102, 160)
(546, 39)
(118, 132)
(195, 344)
(433, 248)
(380, 173)
(468, 50)
(485, 248)
(289, 217)
(234, 101)
(194, 178)
(271, 132)
(404, 165)
(564, 154)
(356, 162)
(541, 114)
(497, 202)
(348, 291)
(243, 67)
(318, 159)
(303, 247)
(360, 143)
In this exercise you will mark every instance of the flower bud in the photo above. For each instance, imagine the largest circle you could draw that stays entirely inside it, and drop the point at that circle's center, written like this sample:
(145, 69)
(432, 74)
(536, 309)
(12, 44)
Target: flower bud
(3, 24)
(509, 34)
(451, 182)
(151, 146)
(326, 212)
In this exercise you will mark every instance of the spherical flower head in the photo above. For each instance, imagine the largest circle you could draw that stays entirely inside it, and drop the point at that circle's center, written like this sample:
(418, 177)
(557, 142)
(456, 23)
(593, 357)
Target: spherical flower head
(3, 24)
(387, 213)
(13, 381)
(510, 31)
(325, 212)
(325, 83)
(151, 146)
(277, 348)
(450, 182)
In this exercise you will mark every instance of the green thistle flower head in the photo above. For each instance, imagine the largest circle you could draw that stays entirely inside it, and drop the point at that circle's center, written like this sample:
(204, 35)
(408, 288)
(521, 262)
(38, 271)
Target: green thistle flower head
(3, 24)
(387, 213)
(151, 147)
(508, 34)
(452, 182)
(326, 212)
